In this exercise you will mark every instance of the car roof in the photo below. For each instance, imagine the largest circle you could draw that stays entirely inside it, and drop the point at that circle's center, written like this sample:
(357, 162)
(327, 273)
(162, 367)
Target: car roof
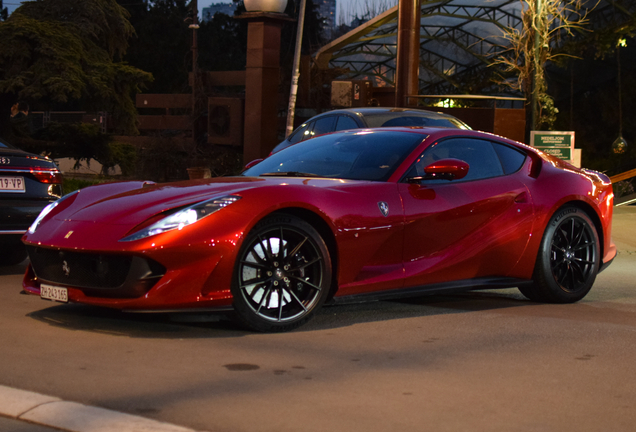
(382, 110)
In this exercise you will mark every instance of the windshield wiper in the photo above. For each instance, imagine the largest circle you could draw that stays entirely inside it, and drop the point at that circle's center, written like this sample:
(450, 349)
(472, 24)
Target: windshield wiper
(290, 174)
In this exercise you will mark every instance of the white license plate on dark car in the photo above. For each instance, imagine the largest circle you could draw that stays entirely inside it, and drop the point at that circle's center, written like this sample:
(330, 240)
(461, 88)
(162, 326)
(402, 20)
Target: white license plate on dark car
(12, 184)
(54, 293)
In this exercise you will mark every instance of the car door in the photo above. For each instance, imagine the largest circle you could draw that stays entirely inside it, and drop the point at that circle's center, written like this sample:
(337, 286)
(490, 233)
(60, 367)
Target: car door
(471, 228)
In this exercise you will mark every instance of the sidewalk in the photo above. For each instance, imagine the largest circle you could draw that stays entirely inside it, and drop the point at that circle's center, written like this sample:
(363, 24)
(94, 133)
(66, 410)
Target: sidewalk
(33, 412)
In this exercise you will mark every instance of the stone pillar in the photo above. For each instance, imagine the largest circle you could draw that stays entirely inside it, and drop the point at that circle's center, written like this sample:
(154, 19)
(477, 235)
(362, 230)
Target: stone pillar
(262, 76)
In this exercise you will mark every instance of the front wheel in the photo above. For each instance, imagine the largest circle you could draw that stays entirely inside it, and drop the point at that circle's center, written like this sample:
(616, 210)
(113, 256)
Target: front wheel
(568, 259)
(282, 274)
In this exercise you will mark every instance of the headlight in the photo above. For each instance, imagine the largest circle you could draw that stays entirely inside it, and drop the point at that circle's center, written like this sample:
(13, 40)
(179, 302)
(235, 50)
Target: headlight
(46, 210)
(183, 217)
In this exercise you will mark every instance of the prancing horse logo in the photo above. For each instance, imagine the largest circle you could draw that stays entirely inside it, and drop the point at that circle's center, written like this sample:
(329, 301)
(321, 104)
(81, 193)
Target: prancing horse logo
(65, 268)
(384, 208)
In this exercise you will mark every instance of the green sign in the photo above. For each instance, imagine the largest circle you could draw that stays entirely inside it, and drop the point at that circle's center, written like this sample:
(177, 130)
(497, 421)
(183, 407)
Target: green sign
(558, 144)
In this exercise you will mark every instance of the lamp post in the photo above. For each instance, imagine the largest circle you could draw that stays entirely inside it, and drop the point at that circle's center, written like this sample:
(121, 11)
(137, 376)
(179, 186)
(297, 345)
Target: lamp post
(293, 91)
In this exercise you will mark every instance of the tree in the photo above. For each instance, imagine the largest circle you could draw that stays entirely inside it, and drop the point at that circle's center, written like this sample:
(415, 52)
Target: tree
(65, 51)
(162, 43)
(544, 24)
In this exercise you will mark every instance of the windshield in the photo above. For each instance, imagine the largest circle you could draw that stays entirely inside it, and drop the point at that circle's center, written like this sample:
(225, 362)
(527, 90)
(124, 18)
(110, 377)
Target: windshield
(409, 119)
(352, 155)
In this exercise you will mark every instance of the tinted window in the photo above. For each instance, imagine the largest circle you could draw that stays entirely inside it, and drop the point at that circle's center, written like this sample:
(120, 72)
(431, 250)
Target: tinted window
(299, 134)
(345, 122)
(324, 125)
(478, 154)
(511, 158)
(423, 118)
(351, 155)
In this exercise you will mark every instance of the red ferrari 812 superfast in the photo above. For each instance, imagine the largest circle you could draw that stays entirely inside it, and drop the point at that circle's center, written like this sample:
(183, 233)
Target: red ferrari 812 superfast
(349, 216)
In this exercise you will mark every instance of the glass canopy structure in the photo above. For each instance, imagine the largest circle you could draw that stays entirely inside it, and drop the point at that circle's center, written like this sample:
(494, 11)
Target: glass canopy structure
(459, 39)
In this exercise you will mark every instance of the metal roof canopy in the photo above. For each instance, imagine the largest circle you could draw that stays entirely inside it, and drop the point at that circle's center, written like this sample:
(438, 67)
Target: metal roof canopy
(459, 39)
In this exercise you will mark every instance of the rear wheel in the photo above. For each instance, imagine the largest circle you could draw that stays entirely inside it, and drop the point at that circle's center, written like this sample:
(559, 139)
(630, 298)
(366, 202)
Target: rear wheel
(568, 259)
(282, 274)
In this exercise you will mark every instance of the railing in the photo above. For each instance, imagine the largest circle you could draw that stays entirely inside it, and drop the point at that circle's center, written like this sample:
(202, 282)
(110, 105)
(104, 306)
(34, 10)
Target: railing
(625, 199)
(623, 176)
(40, 119)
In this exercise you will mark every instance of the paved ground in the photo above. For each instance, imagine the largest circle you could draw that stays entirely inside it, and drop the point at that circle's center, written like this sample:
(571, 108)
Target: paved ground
(487, 361)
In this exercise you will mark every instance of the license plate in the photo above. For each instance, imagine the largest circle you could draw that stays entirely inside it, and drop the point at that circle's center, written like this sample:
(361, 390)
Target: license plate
(12, 184)
(54, 293)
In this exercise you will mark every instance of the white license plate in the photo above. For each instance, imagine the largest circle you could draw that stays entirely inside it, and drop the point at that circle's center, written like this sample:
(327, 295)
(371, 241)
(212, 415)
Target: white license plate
(12, 184)
(54, 293)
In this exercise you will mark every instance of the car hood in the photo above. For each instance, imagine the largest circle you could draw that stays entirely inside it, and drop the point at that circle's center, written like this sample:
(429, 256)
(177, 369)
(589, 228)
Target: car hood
(132, 203)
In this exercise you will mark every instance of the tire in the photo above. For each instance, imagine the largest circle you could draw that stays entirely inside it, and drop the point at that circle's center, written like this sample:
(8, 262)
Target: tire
(568, 259)
(278, 288)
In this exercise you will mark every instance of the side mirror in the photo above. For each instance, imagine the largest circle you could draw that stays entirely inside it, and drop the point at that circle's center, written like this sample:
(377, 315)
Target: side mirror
(253, 163)
(445, 169)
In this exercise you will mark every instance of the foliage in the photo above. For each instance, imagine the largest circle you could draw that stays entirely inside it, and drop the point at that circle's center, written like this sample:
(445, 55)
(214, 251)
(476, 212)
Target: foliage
(61, 51)
(167, 159)
(83, 142)
(162, 43)
(122, 154)
(533, 46)
(222, 43)
(73, 184)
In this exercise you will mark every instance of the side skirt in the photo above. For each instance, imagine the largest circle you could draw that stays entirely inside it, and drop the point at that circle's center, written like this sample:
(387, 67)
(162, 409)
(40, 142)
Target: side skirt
(440, 288)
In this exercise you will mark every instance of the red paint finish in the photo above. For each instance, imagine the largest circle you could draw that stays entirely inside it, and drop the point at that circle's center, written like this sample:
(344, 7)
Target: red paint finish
(383, 236)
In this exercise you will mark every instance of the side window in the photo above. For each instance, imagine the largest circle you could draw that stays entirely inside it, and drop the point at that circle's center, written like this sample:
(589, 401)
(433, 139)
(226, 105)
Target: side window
(324, 125)
(300, 133)
(511, 158)
(478, 154)
(345, 122)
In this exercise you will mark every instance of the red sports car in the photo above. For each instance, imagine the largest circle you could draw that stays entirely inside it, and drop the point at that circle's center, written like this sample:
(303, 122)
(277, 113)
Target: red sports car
(349, 216)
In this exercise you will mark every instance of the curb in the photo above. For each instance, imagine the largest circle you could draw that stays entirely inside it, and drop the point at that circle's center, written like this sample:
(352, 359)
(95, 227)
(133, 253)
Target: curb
(74, 417)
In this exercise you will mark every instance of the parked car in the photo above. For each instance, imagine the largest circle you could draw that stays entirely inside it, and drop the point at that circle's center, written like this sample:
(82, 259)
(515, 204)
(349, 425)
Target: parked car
(28, 183)
(359, 215)
(356, 118)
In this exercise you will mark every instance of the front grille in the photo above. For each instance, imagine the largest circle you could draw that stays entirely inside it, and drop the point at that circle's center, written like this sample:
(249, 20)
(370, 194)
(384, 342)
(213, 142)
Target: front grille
(96, 274)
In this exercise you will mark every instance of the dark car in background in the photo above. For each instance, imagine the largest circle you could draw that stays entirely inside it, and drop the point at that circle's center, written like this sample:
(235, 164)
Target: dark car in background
(362, 118)
(28, 183)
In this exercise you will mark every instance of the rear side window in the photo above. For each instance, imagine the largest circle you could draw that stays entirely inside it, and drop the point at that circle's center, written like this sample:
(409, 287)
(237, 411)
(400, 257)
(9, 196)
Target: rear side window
(346, 122)
(511, 158)
(300, 133)
(324, 125)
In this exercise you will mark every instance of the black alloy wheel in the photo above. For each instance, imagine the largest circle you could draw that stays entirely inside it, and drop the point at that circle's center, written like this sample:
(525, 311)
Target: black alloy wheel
(282, 274)
(568, 259)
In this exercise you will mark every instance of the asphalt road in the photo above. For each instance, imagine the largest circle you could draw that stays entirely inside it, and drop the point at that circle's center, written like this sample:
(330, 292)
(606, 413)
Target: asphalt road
(482, 361)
